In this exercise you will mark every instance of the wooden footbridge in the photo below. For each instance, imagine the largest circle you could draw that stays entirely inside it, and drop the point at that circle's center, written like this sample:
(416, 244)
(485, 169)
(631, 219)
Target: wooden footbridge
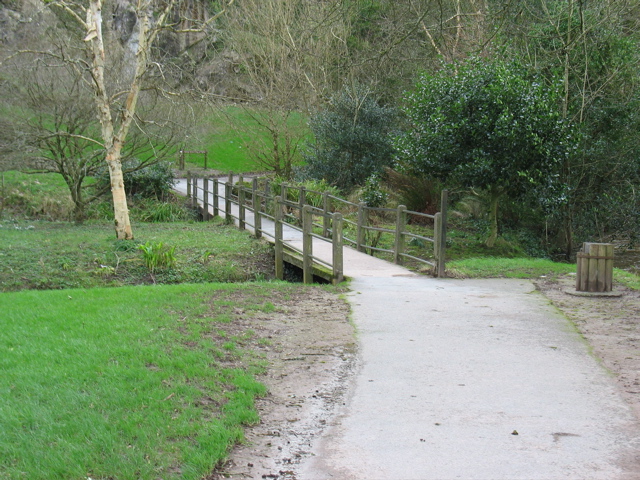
(324, 235)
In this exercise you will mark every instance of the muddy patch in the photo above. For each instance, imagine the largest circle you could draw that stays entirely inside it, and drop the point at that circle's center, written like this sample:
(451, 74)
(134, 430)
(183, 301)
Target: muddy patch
(309, 344)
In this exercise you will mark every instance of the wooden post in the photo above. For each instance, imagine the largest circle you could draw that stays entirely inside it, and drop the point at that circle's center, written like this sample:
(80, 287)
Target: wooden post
(227, 203)
(398, 248)
(307, 245)
(194, 198)
(205, 198)
(325, 211)
(205, 159)
(257, 209)
(301, 202)
(267, 195)
(337, 242)
(278, 239)
(437, 238)
(442, 233)
(181, 159)
(241, 204)
(230, 177)
(189, 185)
(216, 194)
(360, 228)
(595, 268)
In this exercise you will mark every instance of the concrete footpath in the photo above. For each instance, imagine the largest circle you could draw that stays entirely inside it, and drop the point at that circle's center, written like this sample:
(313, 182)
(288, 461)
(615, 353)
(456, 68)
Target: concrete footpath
(473, 379)
(468, 379)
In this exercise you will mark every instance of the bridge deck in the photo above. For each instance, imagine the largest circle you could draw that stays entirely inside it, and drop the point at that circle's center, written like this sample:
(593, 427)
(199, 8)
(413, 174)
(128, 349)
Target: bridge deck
(356, 264)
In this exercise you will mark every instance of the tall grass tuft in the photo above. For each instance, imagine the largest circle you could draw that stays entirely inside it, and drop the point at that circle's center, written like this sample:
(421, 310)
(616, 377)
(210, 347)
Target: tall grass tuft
(157, 255)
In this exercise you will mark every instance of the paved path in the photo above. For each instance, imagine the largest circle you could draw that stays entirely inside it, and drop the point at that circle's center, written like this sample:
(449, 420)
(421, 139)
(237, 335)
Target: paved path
(470, 379)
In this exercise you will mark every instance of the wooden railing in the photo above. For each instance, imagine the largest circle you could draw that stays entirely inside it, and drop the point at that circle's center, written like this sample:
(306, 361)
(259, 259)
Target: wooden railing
(261, 204)
(359, 225)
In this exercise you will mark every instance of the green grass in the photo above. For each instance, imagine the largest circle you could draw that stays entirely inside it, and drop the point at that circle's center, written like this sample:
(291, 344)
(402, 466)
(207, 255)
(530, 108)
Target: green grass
(48, 255)
(225, 138)
(492, 267)
(136, 382)
(41, 195)
(628, 279)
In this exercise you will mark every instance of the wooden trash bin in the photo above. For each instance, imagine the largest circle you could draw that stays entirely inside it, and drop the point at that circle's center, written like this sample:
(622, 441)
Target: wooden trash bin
(595, 268)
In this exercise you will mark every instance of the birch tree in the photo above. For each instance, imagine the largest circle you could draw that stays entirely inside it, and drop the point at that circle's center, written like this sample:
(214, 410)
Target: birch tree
(116, 110)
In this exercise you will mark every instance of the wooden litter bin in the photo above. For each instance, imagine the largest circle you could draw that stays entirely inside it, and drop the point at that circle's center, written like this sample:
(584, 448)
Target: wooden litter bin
(595, 268)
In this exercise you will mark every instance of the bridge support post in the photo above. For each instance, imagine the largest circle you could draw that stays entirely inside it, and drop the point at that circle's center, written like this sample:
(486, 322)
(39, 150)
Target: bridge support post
(205, 199)
(277, 237)
(227, 203)
(215, 197)
(401, 220)
(325, 218)
(241, 203)
(301, 202)
(338, 271)
(440, 234)
(257, 209)
(307, 245)
(360, 240)
(194, 198)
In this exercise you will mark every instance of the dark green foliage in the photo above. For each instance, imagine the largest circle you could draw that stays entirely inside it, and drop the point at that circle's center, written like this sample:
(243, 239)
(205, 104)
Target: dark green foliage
(486, 125)
(351, 139)
(373, 195)
(142, 180)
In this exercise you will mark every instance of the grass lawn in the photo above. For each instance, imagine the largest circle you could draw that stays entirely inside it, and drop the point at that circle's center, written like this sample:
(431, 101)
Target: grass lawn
(227, 136)
(138, 382)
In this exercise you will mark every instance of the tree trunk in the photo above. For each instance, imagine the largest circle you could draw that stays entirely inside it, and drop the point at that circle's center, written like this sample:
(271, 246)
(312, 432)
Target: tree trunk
(120, 209)
(493, 217)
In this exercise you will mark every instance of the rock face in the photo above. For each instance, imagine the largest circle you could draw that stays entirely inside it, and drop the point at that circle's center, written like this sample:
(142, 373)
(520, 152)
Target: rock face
(19, 19)
(192, 58)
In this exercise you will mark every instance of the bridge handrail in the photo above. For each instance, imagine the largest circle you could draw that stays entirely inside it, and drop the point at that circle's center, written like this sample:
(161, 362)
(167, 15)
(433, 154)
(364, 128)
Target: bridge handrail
(261, 195)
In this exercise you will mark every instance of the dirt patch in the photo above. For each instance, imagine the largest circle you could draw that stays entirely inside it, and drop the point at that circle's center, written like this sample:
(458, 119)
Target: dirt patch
(611, 325)
(309, 344)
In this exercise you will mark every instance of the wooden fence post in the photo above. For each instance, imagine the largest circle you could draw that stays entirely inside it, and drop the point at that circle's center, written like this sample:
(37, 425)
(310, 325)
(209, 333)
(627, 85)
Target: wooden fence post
(437, 239)
(227, 203)
(189, 185)
(325, 212)
(194, 198)
(205, 159)
(360, 236)
(205, 198)
(442, 234)
(267, 195)
(257, 209)
(278, 239)
(301, 202)
(398, 248)
(338, 269)
(307, 245)
(241, 204)
(216, 193)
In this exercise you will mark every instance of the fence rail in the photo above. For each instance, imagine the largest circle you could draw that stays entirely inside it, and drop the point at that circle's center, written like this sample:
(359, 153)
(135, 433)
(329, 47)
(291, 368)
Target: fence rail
(321, 215)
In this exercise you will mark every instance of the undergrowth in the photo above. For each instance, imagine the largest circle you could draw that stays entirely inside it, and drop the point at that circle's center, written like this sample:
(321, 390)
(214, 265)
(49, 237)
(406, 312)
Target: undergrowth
(49, 255)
